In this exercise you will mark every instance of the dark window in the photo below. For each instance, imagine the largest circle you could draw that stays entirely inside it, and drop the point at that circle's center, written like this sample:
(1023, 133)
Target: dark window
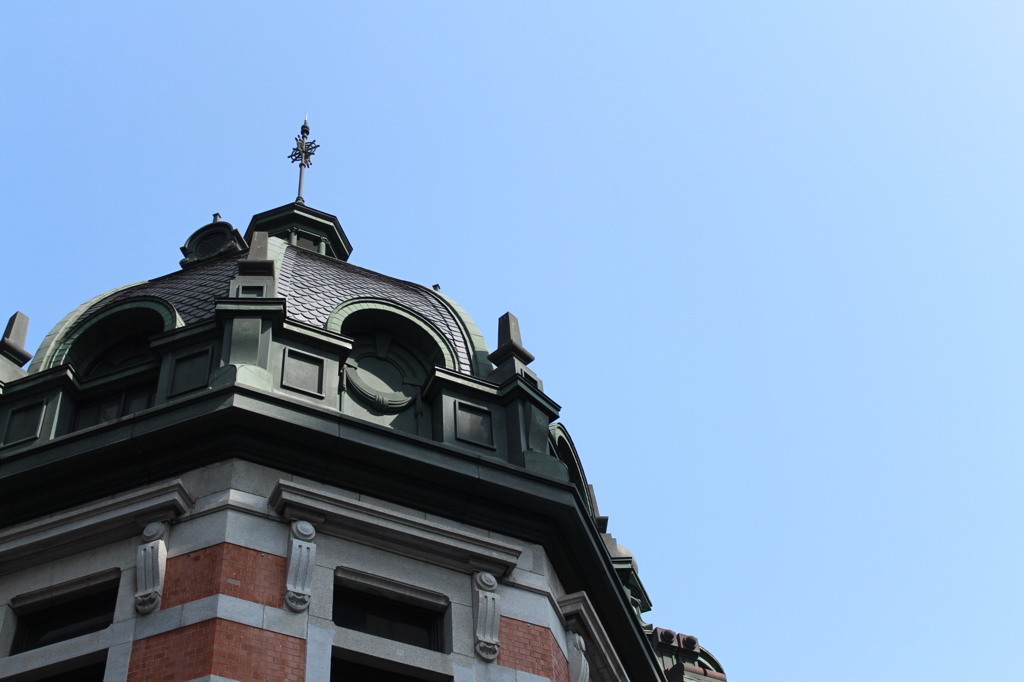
(347, 671)
(90, 673)
(386, 618)
(211, 243)
(76, 615)
(114, 405)
(131, 351)
(250, 291)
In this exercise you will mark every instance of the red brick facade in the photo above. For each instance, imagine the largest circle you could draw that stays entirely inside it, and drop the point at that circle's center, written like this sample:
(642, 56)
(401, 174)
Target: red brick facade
(218, 647)
(249, 654)
(532, 649)
(225, 569)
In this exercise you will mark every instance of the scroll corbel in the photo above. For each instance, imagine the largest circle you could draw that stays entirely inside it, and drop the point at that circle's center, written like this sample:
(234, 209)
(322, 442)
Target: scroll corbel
(301, 560)
(579, 668)
(150, 567)
(486, 616)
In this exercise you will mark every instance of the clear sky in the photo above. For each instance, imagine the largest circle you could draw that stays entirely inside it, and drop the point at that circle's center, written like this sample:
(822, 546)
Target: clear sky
(768, 256)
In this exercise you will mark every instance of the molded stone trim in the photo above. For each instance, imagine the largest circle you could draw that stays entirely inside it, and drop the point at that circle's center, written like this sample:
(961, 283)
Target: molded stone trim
(392, 589)
(224, 607)
(46, 348)
(85, 649)
(30, 599)
(582, 619)
(317, 337)
(570, 457)
(410, 660)
(171, 318)
(337, 319)
(109, 520)
(358, 521)
(477, 344)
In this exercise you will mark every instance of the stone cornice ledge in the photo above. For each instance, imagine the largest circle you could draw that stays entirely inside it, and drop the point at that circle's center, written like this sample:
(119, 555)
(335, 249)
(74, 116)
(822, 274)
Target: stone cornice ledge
(581, 617)
(88, 526)
(358, 521)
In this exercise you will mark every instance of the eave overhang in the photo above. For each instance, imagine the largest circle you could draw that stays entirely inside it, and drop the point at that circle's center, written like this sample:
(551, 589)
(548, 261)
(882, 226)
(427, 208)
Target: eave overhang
(325, 446)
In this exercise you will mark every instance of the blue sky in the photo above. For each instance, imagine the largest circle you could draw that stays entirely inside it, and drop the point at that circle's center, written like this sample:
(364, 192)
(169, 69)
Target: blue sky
(768, 256)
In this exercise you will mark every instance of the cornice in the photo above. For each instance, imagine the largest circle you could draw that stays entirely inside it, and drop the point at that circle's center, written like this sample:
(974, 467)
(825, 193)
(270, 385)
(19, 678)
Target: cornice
(75, 530)
(359, 521)
(327, 447)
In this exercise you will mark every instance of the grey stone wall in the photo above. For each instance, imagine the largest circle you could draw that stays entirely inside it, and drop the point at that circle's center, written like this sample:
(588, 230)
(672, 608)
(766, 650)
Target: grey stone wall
(359, 542)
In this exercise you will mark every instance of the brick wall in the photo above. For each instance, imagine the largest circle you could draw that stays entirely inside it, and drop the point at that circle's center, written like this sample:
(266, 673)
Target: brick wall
(225, 569)
(532, 649)
(218, 647)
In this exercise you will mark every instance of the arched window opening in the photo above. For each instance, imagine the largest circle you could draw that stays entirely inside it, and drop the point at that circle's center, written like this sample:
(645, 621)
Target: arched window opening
(390, 362)
(126, 353)
(117, 367)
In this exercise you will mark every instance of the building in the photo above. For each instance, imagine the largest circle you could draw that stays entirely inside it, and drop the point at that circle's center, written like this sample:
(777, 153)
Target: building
(276, 465)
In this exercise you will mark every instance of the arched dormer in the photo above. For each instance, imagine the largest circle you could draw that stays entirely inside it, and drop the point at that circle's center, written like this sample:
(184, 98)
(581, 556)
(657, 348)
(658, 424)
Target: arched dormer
(394, 352)
(216, 239)
(111, 356)
(95, 337)
(562, 447)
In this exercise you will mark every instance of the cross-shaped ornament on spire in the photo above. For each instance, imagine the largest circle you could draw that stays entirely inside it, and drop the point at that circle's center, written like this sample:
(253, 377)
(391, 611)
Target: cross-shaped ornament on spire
(304, 150)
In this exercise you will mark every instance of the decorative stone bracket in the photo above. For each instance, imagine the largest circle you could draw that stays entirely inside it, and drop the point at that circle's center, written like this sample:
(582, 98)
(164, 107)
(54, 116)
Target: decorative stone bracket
(486, 615)
(579, 668)
(150, 567)
(591, 651)
(301, 559)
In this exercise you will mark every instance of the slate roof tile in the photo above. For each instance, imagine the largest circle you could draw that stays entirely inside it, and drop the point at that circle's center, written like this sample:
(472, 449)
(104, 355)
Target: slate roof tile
(313, 286)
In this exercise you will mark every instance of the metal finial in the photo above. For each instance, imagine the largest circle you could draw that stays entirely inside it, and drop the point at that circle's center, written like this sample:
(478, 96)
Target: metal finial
(303, 152)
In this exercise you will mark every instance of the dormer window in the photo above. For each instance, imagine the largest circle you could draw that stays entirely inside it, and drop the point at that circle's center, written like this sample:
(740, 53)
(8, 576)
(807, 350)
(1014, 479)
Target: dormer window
(114, 405)
(129, 352)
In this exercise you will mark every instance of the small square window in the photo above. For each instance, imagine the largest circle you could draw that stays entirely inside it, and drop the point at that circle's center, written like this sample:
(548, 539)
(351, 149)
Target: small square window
(382, 617)
(250, 291)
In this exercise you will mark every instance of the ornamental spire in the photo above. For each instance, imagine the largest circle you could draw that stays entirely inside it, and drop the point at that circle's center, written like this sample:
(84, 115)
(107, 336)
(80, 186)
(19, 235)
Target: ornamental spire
(304, 150)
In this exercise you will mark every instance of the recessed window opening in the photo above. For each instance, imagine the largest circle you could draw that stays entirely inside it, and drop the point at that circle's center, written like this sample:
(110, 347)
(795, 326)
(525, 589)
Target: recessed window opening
(129, 352)
(347, 671)
(250, 291)
(114, 405)
(69, 617)
(92, 672)
(382, 617)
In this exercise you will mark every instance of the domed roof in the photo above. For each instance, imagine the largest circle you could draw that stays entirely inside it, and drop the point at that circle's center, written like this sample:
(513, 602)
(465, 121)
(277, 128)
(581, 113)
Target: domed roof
(313, 286)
